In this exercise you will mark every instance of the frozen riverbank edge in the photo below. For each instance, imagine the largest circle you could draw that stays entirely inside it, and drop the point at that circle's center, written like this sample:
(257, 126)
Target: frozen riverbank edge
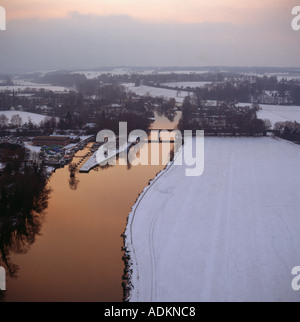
(129, 257)
(230, 235)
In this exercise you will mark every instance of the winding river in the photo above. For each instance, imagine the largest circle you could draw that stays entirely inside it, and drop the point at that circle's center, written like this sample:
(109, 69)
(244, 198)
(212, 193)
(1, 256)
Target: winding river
(77, 254)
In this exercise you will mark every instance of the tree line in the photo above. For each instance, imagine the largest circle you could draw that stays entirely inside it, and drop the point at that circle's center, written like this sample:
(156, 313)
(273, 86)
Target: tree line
(23, 199)
(243, 91)
(222, 118)
(288, 131)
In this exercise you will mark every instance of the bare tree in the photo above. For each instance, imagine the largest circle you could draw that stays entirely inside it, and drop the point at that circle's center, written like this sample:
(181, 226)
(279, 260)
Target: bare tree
(268, 124)
(16, 120)
(3, 120)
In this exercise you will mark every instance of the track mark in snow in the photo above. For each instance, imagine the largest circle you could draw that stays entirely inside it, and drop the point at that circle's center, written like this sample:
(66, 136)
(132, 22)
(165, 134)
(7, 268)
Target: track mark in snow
(231, 235)
(151, 231)
(152, 244)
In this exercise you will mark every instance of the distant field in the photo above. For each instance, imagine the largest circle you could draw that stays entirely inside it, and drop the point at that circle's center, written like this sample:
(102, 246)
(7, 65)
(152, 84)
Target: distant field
(275, 113)
(186, 84)
(35, 118)
(157, 92)
(278, 113)
(22, 85)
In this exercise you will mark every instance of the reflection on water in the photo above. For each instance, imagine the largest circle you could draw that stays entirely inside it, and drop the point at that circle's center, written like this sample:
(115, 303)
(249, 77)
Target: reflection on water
(75, 255)
(73, 181)
(164, 121)
(23, 201)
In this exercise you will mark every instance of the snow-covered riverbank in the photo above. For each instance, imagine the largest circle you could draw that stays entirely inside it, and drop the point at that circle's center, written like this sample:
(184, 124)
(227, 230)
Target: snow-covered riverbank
(230, 235)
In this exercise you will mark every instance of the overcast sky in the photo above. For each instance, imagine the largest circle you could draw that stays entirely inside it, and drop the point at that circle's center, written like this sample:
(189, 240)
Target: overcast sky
(71, 34)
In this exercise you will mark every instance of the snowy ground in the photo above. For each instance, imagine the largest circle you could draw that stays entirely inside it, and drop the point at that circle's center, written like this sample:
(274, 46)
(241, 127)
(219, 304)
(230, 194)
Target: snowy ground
(277, 113)
(35, 118)
(157, 92)
(90, 74)
(186, 84)
(231, 234)
(32, 148)
(123, 71)
(22, 85)
(279, 76)
(182, 72)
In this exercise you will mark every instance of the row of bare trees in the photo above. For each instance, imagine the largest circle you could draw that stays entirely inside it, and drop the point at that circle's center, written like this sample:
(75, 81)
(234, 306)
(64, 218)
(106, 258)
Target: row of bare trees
(15, 120)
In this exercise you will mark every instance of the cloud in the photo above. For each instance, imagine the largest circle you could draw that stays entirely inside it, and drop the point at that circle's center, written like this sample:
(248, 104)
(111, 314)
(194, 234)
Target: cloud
(88, 41)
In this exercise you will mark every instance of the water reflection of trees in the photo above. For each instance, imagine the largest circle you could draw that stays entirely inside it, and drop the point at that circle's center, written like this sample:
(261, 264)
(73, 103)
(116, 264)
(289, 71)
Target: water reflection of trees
(73, 181)
(23, 200)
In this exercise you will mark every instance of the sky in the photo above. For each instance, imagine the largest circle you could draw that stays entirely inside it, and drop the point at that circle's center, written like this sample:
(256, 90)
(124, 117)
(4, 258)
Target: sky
(73, 34)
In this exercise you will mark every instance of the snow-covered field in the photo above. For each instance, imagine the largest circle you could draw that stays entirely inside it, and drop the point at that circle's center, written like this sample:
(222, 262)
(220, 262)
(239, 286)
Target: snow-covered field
(124, 71)
(288, 78)
(186, 84)
(231, 234)
(157, 92)
(279, 76)
(89, 74)
(34, 150)
(277, 113)
(35, 118)
(182, 72)
(22, 85)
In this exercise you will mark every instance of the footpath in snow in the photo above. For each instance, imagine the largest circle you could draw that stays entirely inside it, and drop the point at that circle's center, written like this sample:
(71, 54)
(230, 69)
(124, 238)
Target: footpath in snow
(231, 234)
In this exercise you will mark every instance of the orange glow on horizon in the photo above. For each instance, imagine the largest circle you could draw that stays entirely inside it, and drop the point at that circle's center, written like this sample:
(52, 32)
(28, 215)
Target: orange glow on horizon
(189, 11)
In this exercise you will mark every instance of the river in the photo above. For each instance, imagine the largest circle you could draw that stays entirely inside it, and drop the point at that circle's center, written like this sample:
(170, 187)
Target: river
(77, 254)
